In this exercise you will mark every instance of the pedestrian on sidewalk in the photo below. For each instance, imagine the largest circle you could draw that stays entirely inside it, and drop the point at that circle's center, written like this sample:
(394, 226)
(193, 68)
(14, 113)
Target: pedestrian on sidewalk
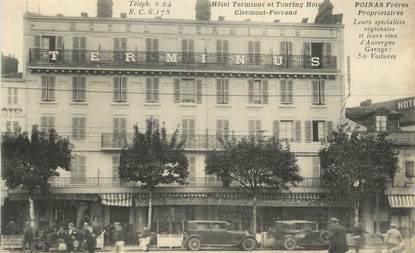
(144, 240)
(358, 236)
(119, 237)
(90, 239)
(28, 236)
(393, 239)
(337, 238)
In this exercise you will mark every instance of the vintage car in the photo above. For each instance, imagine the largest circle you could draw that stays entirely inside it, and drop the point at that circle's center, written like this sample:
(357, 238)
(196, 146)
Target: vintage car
(292, 233)
(201, 234)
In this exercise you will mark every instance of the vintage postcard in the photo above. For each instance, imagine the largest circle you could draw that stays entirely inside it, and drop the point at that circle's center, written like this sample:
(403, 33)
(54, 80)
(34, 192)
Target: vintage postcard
(208, 124)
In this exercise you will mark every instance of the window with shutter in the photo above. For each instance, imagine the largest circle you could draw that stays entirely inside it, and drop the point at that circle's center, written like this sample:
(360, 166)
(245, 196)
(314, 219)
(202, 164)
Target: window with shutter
(152, 90)
(297, 131)
(264, 92)
(308, 131)
(222, 128)
(199, 91)
(16, 126)
(381, 123)
(192, 167)
(119, 132)
(318, 92)
(286, 87)
(47, 123)
(78, 89)
(222, 49)
(176, 90)
(276, 129)
(188, 131)
(188, 50)
(78, 128)
(78, 169)
(254, 49)
(9, 126)
(120, 89)
(410, 169)
(319, 130)
(316, 167)
(257, 92)
(286, 130)
(152, 50)
(254, 128)
(115, 166)
(48, 88)
(222, 91)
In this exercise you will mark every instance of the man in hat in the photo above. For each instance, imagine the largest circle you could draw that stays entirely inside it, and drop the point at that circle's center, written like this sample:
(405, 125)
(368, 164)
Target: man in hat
(393, 238)
(28, 235)
(338, 243)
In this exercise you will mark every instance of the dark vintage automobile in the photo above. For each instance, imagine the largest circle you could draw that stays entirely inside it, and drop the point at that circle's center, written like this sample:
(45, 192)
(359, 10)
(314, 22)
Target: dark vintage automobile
(292, 233)
(201, 234)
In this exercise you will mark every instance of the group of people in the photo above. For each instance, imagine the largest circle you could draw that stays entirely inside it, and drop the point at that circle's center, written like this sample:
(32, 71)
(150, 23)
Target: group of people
(70, 238)
(338, 241)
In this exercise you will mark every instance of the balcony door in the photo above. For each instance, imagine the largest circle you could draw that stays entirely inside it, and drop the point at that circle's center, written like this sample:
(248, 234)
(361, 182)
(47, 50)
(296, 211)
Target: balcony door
(152, 50)
(79, 49)
(119, 134)
(120, 47)
(188, 131)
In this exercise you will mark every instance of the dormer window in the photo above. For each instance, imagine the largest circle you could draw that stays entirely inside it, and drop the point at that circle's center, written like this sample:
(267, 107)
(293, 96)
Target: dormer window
(381, 123)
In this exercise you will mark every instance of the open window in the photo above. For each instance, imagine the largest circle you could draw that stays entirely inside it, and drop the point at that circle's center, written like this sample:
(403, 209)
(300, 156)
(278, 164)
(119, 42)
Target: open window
(44, 44)
(316, 54)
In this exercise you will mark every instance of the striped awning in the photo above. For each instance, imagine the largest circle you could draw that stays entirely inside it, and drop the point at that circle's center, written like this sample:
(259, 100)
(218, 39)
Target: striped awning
(117, 199)
(402, 201)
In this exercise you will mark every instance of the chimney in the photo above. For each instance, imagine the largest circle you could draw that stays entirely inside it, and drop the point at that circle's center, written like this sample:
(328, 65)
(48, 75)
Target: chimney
(104, 8)
(221, 18)
(59, 15)
(247, 20)
(84, 14)
(202, 9)
(366, 103)
(276, 20)
(123, 15)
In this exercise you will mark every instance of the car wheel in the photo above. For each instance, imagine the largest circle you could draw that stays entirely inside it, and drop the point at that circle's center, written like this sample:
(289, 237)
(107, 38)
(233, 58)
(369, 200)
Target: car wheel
(39, 246)
(324, 237)
(194, 244)
(248, 244)
(290, 243)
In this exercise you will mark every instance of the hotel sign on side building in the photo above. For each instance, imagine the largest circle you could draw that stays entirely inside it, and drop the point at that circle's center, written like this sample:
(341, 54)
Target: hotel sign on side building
(406, 104)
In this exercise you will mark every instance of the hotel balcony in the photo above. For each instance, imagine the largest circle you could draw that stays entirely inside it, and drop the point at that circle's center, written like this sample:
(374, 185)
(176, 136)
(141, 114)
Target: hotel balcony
(178, 61)
(193, 142)
(193, 182)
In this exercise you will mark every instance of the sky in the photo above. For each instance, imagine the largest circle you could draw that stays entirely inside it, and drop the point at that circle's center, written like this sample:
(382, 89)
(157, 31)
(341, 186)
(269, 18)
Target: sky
(379, 80)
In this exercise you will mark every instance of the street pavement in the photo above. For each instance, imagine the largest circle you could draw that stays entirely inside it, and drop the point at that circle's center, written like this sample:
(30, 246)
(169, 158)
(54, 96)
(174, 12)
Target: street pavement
(129, 250)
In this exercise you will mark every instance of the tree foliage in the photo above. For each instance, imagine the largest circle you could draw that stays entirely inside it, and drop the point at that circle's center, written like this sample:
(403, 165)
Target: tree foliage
(358, 163)
(255, 164)
(29, 162)
(152, 159)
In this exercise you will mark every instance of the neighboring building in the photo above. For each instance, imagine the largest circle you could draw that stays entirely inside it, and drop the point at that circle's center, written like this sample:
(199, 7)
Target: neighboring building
(9, 64)
(13, 106)
(92, 79)
(397, 117)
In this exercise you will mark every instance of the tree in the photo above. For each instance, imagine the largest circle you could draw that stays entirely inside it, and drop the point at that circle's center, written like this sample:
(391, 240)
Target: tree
(256, 164)
(153, 160)
(30, 162)
(358, 164)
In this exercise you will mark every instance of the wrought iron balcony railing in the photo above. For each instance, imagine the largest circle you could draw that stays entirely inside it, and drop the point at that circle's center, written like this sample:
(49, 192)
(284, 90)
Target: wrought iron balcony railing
(192, 182)
(178, 60)
(111, 141)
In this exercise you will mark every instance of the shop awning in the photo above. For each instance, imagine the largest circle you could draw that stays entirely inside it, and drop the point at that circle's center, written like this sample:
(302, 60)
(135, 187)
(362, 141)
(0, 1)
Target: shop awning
(402, 201)
(117, 199)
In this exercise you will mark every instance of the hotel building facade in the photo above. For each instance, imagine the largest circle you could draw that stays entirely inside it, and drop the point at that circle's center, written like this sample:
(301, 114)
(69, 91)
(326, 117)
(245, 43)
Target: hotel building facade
(92, 79)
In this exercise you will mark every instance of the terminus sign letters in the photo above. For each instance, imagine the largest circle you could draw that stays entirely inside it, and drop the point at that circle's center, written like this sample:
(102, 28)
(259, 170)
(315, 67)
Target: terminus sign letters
(130, 57)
